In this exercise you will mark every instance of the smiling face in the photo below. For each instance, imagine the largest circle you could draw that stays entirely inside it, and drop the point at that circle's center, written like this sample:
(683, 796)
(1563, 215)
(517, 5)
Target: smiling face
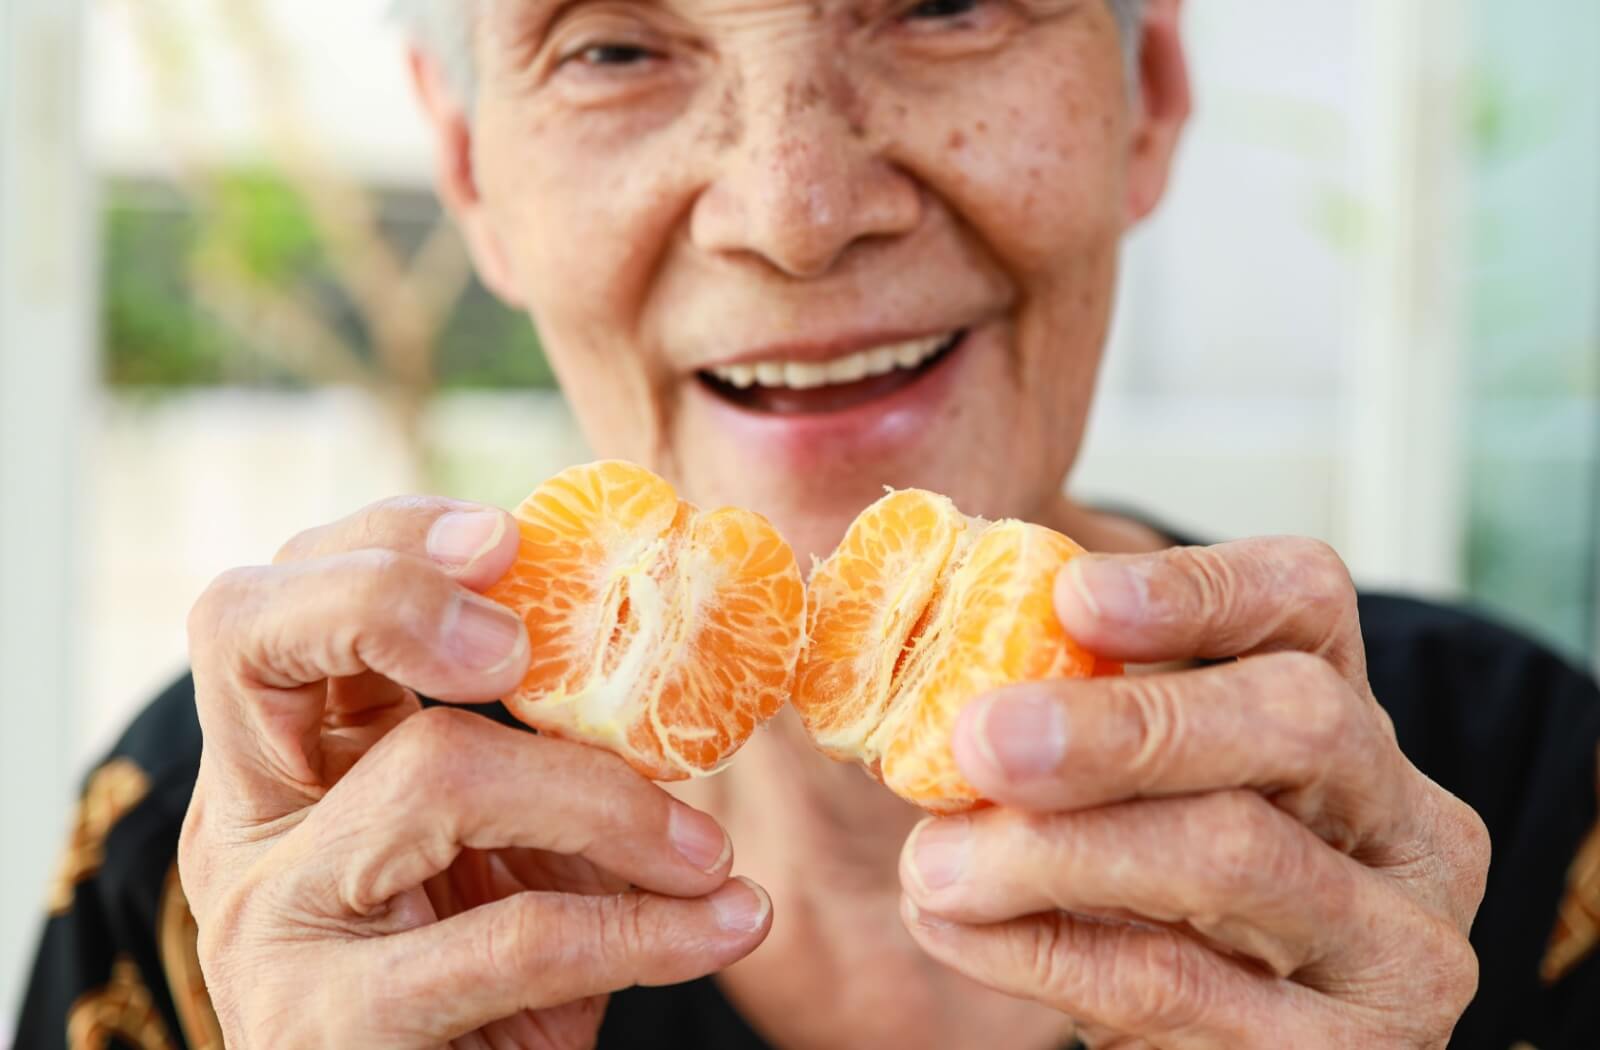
(788, 252)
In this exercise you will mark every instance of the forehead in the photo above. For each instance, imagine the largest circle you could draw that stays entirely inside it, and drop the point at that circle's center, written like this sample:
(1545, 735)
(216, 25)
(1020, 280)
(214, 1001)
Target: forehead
(524, 11)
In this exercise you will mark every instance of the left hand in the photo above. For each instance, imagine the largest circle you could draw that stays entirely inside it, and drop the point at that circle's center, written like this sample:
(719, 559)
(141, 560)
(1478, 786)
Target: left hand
(1236, 856)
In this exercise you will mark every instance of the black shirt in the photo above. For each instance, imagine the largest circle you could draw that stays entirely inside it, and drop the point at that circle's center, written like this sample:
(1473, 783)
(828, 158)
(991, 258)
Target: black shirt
(1492, 717)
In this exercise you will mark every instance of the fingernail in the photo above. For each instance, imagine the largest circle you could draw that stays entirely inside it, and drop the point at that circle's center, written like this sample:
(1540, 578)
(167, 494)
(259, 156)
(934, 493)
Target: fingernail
(740, 905)
(485, 636)
(1110, 591)
(922, 918)
(700, 840)
(939, 851)
(1023, 736)
(462, 537)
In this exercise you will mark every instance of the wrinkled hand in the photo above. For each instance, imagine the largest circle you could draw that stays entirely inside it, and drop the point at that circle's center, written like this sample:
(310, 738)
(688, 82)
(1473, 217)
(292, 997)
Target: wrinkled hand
(366, 873)
(1236, 856)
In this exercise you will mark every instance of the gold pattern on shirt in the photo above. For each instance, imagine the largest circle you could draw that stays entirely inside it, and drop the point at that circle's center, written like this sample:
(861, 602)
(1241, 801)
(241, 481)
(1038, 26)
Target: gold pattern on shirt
(122, 1010)
(114, 789)
(1577, 932)
(178, 934)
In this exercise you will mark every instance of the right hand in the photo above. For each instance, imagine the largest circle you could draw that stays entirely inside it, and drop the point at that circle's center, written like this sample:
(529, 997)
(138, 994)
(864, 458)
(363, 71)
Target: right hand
(367, 873)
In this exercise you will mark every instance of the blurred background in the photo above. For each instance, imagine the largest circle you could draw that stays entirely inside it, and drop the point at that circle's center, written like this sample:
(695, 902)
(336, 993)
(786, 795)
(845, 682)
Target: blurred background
(1369, 312)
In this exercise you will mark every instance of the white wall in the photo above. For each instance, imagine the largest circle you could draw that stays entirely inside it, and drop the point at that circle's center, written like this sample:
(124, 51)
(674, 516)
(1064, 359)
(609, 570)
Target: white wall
(46, 305)
(342, 73)
(1284, 357)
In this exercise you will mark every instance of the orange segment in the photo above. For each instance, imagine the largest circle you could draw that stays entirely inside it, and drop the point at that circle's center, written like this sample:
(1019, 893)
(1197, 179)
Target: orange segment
(659, 632)
(865, 603)
(980, 598)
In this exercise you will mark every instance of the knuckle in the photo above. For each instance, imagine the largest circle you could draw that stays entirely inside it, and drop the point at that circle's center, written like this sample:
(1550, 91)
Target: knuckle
(1449, 978)
(1136, 979)
(1468, 824)
(1045, 953)
(213, 613)
(1033, 839)
(1470, 850)
(1461, 978)
(1322, 572)
(218, 933)
(425, 765)
(377, 570)
(1478, 848)
(399, 587)
(430, 743)
(1213, 577)
(1154, 705)
(621, 809)
(381, 524)
(1242, 838)
(618, 802)
(1320, 579)
(514, 941)
(1305, 674)
(194, 855)
(300, 546)
(1316, 708)
(624, 932)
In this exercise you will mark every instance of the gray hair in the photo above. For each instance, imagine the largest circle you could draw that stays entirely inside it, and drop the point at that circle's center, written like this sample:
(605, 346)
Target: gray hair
(444, 28)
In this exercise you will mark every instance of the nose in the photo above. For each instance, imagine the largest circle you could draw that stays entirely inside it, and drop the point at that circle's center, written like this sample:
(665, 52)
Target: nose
(801, 183)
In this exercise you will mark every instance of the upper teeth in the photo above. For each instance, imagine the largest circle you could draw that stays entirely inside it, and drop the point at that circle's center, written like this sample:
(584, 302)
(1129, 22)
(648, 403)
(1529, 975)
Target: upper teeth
(808, 375)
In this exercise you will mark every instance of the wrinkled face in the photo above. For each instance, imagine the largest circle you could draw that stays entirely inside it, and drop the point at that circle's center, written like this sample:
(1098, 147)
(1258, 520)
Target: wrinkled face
(788, 252)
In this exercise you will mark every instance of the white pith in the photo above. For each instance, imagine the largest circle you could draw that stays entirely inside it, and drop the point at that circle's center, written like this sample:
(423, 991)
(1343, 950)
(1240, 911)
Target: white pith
(851, 368)
(666, 620)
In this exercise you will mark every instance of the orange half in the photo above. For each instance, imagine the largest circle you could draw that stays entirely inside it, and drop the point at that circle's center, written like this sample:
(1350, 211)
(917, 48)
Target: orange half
(660, 632)
(921, 610)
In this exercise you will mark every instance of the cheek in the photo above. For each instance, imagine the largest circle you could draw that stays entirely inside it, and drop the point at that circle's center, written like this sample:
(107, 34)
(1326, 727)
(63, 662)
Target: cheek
(583, 223)
(1029, 158)
(1029, 154)
(563, 209)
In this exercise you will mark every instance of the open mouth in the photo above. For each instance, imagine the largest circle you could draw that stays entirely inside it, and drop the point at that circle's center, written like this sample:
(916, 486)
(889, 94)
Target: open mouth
(814, 387)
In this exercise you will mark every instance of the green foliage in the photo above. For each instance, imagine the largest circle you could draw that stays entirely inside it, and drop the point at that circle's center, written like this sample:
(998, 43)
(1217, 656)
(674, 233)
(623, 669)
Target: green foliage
(486, 346)
(261, 222)
(156, 333)
(153, 332)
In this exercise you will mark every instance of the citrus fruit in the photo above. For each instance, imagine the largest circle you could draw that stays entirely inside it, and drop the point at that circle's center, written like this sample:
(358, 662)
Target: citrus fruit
(920, 610)
(659, 631)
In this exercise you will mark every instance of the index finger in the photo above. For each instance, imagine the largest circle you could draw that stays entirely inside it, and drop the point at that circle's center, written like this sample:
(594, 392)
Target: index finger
(472, 542)
(448, 780)
(1210, 603)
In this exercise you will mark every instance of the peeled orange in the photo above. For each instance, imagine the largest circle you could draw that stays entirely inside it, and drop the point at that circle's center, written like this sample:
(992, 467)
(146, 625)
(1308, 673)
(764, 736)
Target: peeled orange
(920, 610)
(661, 632)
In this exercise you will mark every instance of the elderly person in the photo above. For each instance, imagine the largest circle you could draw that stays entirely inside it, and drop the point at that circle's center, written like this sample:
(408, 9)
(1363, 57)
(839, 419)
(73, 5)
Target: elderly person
(720, 215)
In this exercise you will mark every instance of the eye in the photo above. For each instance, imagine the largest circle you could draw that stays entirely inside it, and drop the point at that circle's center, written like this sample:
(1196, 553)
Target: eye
(932, 10)
(612, 55)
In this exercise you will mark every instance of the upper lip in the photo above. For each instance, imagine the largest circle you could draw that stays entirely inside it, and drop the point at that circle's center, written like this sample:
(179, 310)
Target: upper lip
(827, 348)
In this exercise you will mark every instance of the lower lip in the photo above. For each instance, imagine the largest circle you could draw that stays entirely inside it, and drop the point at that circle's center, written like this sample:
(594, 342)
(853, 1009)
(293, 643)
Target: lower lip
(880, 426)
